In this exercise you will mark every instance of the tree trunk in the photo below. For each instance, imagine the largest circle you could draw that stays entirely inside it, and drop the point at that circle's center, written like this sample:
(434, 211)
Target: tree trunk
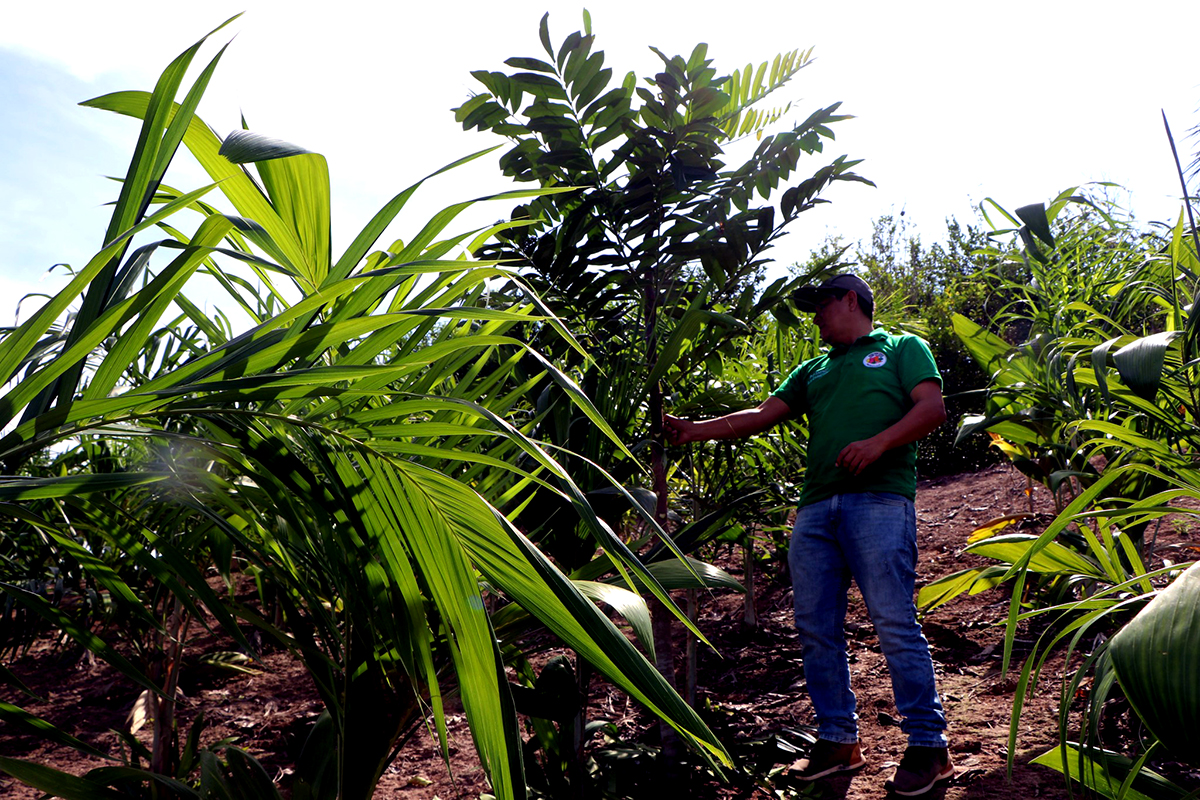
(660, 617)
(664, 645)
(664, 650)
(749, 614)
(576, 765)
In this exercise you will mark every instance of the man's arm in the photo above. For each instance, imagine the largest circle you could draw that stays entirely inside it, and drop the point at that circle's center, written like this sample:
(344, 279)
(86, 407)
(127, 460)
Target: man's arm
(737, 425)
(927, 413)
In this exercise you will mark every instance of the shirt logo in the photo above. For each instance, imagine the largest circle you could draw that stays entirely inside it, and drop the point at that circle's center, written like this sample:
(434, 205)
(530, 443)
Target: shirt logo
(875, 360)
(821, 373)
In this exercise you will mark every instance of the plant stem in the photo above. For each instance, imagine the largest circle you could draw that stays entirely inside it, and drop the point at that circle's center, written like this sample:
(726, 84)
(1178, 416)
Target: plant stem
(693, 612)
(749, 614)
(162, 754)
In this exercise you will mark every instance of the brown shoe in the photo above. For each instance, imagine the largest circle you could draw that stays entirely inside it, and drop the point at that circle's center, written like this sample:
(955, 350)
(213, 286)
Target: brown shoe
(919, 770)
(827, 758)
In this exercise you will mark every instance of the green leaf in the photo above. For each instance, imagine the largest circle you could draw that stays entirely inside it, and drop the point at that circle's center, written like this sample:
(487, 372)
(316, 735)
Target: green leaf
(629, 605)
(55, 782)
(298, 187)
(688, 329)
(1034, 216)
(247, 147)
(147, 306)
(1100, 368)
(80, 634)
(23, 489)
(279, 238)
(1155, 657)
(399, 507)
(985, 347)
(692, 574)
(1049, 558)
(247, 778)
(508, 559)
(544, 33)
(119, 775)
(1104, 773)
(16, 346)
(540, 85)
(533, 64)
(20, 718)
(945, 589)
(153, 153)
(1141, 362)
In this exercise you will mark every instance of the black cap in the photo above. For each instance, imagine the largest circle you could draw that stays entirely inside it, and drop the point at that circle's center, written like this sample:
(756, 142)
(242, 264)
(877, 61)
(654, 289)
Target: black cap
(807, 297)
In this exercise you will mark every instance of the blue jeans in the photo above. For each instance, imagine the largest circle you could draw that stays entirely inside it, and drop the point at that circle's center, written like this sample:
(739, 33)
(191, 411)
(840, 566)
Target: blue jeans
(871, 537)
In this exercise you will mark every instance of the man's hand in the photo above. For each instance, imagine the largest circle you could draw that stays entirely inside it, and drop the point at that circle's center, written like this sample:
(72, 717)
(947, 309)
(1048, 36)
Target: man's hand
(927, 413)
(678, 431)
(857, 456)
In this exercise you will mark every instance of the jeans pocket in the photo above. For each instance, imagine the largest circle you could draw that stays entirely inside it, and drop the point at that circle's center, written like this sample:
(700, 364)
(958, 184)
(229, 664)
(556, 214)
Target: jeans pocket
(888, 498)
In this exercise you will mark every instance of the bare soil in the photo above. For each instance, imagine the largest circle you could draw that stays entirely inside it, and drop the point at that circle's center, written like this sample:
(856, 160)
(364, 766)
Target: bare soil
(751, 690)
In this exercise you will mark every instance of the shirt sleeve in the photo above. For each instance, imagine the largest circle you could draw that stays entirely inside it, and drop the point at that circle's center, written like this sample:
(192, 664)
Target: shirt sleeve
(794, 391)
(916, 364)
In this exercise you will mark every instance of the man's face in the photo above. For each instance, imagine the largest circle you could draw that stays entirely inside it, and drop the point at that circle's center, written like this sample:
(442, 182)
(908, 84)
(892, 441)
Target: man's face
(834, 319)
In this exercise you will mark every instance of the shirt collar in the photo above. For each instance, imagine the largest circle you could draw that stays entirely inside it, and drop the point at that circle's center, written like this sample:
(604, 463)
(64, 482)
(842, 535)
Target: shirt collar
(877, 335)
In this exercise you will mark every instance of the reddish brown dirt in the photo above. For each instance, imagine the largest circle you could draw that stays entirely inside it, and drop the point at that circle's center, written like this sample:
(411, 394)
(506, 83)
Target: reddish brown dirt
(754, 687)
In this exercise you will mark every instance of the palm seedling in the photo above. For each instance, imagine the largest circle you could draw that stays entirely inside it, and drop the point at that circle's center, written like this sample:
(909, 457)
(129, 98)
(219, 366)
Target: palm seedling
(351, 448)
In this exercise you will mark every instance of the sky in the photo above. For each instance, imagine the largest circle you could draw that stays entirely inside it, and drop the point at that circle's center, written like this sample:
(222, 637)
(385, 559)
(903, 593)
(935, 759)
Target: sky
(953, 102)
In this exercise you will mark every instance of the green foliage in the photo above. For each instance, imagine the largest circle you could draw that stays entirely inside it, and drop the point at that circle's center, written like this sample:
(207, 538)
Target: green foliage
(1054, 566)
(754, 482)
(1109, 774)
(1099, 403)
(1098, 291)
(349, 450)
(654, 261)
(1153, 658)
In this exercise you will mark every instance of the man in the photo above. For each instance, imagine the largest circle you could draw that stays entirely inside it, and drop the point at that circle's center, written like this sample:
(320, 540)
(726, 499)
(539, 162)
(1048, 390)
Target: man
(868, 401)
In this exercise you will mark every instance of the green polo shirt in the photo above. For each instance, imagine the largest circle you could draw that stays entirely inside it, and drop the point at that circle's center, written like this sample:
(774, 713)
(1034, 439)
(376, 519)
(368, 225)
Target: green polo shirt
(852, 393)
